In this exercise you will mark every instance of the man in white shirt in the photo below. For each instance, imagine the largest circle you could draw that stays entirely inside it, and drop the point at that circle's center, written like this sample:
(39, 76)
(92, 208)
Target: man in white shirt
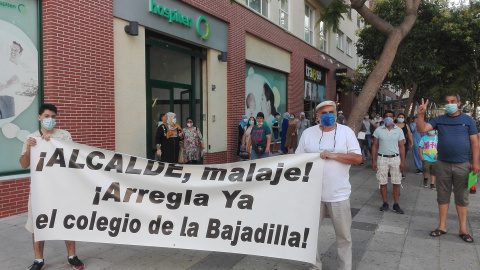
(338, 146)
(46, 115)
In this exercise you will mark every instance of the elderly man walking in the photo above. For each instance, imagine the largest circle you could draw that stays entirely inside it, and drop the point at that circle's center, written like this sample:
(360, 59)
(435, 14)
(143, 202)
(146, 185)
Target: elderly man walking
(338, 146)
(457, 135)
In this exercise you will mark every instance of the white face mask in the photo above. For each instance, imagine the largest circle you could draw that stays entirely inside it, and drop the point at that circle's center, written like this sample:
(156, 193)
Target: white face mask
(189, 124)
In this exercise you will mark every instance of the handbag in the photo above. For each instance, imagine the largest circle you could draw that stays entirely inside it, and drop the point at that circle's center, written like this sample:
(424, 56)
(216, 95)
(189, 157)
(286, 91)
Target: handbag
(243, 153)
(259, 149)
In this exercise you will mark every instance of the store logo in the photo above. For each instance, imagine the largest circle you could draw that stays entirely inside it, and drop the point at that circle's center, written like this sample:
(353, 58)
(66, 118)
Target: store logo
(176, 16)
(171, 15)
(21, 8)
(207, 28)
(313, 74)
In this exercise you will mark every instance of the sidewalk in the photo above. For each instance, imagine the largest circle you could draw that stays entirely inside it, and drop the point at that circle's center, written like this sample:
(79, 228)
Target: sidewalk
(380, 240)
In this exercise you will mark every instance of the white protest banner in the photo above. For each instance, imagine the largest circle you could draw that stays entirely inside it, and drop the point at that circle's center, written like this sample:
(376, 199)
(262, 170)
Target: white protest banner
(267, 207)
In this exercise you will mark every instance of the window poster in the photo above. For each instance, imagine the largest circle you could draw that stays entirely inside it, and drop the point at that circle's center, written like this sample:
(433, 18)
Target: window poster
(19, 78)
(265, 91)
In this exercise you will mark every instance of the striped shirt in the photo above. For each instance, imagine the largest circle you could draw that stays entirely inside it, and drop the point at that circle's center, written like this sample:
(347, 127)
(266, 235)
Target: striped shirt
(454, 136)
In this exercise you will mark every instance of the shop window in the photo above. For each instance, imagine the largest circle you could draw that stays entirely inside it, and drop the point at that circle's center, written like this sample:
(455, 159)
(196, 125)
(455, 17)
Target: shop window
(309, 23)
(265, 91)
(284, 13)
(339, 39)
(348, 48)
(260, 6)
(20, 85)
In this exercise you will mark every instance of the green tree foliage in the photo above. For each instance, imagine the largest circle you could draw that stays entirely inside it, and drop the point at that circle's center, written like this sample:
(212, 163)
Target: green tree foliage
(418, 65)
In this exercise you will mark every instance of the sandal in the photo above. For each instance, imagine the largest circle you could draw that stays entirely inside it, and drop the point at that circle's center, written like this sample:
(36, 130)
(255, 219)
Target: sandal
(466, 237)
(437, 233)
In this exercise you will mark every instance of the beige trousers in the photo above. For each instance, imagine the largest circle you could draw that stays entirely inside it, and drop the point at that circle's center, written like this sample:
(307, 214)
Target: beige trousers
(341, 217)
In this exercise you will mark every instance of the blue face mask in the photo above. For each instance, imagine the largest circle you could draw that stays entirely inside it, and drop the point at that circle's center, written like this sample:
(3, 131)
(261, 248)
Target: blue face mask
(251, 123)
(400, 120)
(48, 123)
(431, 132)
(388, 121)
(245, 120)
(328, 119)
(451, 108)
(174, 121)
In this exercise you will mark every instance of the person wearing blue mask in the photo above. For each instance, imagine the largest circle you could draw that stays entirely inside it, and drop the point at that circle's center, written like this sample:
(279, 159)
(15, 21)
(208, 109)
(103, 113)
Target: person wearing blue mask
(457, 136)
(389, 140)
(338, 146)
(46, 115)
(284, 128)
(241, 130)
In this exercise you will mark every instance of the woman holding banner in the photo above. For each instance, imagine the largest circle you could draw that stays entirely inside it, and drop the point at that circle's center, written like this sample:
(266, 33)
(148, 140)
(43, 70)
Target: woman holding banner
(167, 139)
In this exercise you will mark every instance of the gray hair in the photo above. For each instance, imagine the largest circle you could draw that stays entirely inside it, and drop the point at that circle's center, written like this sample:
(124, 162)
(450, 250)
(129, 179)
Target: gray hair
(453, 95)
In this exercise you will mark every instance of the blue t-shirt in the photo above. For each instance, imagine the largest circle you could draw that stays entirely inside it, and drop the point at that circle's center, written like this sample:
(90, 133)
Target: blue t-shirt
(454, 136)
(275, 124)
(429, 145)
(259, 135)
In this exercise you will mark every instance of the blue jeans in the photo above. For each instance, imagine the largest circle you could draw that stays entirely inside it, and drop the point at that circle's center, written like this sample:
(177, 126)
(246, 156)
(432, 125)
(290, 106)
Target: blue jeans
(367, 145)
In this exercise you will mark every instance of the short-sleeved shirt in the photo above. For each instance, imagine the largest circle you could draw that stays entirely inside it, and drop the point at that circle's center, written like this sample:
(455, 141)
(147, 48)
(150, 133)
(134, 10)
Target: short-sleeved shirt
(336, 184)
(429, 145)
(388, 139)
(259, 134)
(454, 136)
(59, 134)
(275, 124)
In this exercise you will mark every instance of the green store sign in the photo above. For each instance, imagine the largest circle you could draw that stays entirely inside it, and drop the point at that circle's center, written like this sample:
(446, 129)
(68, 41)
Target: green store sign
(175, 16)
(21, 7)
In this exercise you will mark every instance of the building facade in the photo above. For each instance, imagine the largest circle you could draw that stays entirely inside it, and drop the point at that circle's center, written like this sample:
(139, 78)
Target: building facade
(112, 67)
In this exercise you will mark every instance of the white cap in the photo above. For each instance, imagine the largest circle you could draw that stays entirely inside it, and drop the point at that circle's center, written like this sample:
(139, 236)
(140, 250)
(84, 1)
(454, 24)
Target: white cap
(326, 103)
(302, 113)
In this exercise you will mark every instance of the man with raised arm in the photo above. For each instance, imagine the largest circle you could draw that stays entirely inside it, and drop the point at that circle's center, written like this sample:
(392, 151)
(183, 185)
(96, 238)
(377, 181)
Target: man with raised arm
(457, 135)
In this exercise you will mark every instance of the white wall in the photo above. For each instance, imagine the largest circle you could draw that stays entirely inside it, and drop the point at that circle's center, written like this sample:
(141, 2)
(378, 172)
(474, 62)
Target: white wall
(264, 53)
(215, 103)
(130, 85)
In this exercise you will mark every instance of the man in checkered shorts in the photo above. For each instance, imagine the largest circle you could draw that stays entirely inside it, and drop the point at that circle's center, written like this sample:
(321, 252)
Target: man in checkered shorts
(389, 141)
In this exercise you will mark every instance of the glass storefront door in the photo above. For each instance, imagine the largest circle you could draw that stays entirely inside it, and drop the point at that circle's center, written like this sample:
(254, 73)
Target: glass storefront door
(173, 85)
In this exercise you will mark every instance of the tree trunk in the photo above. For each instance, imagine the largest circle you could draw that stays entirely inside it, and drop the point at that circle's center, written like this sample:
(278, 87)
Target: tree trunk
(399, 101)
(411, 98)
(395, 36)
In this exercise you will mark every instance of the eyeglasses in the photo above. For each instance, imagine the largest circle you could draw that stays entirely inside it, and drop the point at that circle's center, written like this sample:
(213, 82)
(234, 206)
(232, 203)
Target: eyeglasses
(334, 142)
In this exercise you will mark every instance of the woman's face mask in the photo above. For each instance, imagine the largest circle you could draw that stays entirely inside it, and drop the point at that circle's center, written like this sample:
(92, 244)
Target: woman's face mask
(400, 120)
